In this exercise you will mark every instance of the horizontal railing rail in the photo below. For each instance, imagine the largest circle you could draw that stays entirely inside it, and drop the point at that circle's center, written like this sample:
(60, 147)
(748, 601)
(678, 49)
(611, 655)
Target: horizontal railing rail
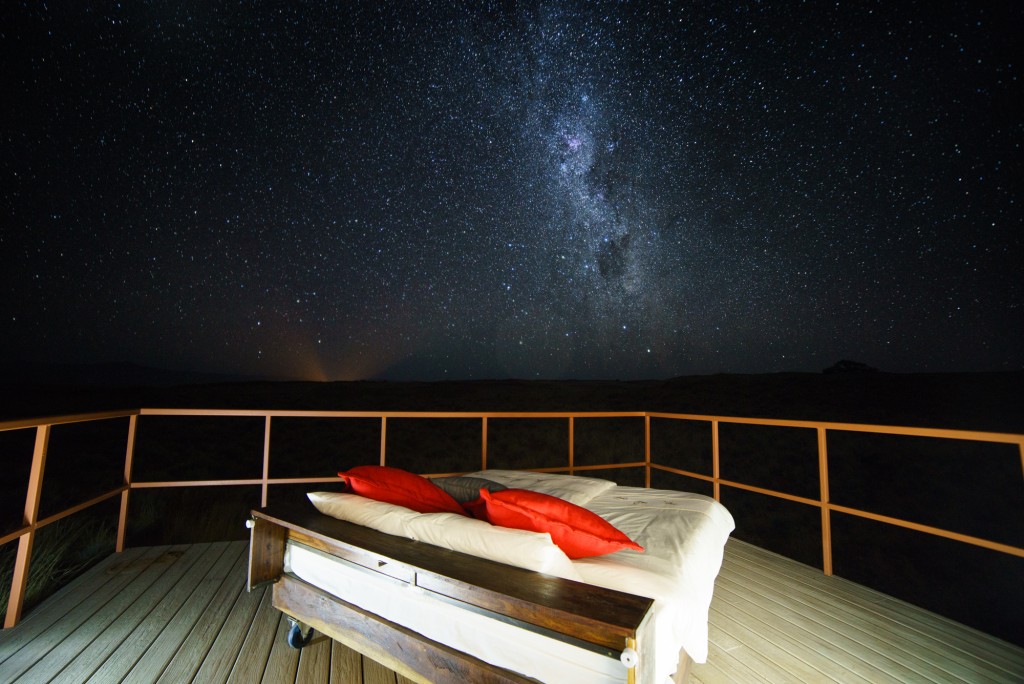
(32, 522)
(824, 503)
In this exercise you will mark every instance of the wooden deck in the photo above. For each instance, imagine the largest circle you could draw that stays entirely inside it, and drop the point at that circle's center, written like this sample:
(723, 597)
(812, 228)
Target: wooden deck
(181, 614)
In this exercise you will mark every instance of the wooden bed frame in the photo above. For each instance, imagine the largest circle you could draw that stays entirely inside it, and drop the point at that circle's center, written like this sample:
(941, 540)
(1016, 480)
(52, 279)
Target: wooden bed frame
(599, 618)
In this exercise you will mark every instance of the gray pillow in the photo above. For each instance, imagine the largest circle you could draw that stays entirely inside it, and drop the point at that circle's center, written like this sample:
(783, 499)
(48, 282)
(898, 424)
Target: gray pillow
(465, 489)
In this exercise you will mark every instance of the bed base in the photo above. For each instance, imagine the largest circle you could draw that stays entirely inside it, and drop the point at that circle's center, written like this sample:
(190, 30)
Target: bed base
(397, 648)
(605, 619)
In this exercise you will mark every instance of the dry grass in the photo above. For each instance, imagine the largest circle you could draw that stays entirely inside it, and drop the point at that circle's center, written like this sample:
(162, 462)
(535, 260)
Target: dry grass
(60, 553)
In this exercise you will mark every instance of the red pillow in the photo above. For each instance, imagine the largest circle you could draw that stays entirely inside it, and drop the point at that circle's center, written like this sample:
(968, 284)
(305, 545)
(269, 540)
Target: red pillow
(577, 531)
(399, 487)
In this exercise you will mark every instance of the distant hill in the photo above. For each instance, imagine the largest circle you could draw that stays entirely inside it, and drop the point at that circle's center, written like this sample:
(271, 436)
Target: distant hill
(978, 401)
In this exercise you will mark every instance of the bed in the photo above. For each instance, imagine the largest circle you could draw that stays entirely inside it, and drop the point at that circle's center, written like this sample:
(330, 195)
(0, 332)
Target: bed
(434, 599)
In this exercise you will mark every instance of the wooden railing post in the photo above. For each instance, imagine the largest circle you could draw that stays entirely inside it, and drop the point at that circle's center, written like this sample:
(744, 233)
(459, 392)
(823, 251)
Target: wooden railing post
(715, 472)
(483, 444)
(1020, 447)
(383, 439)
(23, 561)
(572, 444)
(266, 462)
(826, 517)
(129, 458)
(647, 451)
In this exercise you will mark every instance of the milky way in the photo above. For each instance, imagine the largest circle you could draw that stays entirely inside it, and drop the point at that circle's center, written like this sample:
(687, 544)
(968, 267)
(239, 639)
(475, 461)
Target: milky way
(537, 189)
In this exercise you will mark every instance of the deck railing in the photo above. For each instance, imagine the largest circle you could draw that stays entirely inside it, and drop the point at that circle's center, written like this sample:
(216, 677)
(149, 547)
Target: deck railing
(25, 535)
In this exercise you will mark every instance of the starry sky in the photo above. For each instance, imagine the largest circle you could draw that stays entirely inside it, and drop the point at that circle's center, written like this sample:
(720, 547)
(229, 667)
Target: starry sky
(430, 190)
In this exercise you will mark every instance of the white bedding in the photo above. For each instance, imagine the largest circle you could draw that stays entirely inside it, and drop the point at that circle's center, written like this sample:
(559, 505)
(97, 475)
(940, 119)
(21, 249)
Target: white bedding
(684, 542)
(684, 535)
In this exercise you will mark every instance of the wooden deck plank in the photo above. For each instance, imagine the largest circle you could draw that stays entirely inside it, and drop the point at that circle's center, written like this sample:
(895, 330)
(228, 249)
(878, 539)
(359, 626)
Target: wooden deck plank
(928, 656)
(859, 631)
(159, 603)
(189, 656)
(788, 648)
(143, 657)
(315, 661)
(346, 665)
(64, 642)
(283, 661)
(900, 612)
(772, 621)
(723, 637)
(255, 651)
(723, 670)
(797, 664)
(856, 649)
(375, 673)
(971, 644)
(960, 650)
(735, 669)
(800, 636)
(60, 604)
(70, 607)
(216, 666)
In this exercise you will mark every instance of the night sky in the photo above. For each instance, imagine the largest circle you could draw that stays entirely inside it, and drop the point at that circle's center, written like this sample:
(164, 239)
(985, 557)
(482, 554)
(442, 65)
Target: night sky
(434, 190)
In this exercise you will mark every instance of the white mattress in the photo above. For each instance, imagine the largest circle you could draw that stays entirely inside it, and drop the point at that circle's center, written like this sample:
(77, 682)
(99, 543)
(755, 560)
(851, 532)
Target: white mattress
(684, 537)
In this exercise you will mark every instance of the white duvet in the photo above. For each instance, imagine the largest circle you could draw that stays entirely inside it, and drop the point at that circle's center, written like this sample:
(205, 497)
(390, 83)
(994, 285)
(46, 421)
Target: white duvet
(684, 537)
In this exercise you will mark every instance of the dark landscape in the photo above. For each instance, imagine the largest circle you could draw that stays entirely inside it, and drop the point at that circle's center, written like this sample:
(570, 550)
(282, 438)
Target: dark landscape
(978, 401)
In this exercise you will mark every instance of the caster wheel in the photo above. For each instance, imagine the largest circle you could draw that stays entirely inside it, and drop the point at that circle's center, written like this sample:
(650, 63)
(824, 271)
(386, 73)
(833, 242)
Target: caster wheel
(296, 639)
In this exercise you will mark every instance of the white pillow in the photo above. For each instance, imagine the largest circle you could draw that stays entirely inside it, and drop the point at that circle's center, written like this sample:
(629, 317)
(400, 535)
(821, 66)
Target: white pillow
(572, 488)
(521, 548)
(378, 515)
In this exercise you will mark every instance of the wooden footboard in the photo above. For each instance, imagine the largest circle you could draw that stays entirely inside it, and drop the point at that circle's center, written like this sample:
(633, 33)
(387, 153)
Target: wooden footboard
(595, 617)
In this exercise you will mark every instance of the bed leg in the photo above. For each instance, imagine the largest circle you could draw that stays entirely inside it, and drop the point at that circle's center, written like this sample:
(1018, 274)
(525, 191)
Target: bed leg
(295, 637)
(629, 658)
(684, 669)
